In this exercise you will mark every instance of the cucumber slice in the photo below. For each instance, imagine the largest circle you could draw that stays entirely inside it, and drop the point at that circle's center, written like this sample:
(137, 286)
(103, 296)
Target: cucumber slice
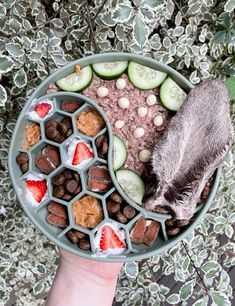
(76, 81)
(110, 70)
(171, 95)
(144, 77)
(132, 185)
(119, 153)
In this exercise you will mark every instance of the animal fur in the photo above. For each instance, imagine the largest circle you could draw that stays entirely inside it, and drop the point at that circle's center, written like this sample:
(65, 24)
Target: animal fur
(193, 146)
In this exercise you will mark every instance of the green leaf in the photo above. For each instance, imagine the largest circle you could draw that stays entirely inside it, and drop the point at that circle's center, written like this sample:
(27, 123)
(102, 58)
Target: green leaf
(15, 25)
(219, 298)
(141, 31)
(209, 265)
(202, 302)
(14, 49)
(131, 269)
(20, 78)
(152, 3)
(3, 96)
(6, 64)
(40, 268)
(186, 290)
(3, 10)
(122, 13)
(219, 37)
(2, 283)
(38, 287)
(173, 299)
(229, 231)
(230, 84)
(229, 6)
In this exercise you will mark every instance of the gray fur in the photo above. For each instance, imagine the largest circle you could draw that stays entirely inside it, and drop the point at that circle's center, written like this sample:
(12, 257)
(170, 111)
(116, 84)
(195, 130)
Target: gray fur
(193, 146)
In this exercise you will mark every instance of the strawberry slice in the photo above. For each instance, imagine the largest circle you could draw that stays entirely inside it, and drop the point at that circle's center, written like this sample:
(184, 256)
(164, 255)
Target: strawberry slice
(110, 240)
(37, 188)
(82, 152)
(42, 109)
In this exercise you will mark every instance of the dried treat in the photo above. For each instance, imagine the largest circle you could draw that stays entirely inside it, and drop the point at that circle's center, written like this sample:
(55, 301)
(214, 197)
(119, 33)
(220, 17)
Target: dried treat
(43, 164)
(172, 231)
(70, 106)
(151, 232)
(69, 132)
(98, 186)
(33, 135)
(120, 217)
(58, 192)
(99, 141)
(137, 233)
(51, 132)
(52, 153)
(56, 131)
(76, 176)
(72, 236)
(77, 190)
(62, 128)
(99, 178)
(22, 158)
(104, 149)
(58, 180)
(182, 223)
(102, 145)
(56, 220)
(71, 186)
(66, 197)
(67, 121)
(88, 211)
(51, 123)
(24, 167)
(59, 138)
(68, 174)
(90, 122)
(57, 209)
(113, 207)
(80, 235)
(84, 244)
(129, 211)
(116, 197)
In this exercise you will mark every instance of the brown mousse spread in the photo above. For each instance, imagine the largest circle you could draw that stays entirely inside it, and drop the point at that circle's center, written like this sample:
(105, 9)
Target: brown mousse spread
(90, 122)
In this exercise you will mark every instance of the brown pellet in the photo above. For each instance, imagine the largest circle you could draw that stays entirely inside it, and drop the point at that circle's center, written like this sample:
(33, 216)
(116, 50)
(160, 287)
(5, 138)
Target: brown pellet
(172, 231)
(24, 167)
(116, 197)
(170, 222)
(51, 123)
(69, 133)
(72, 236)
(58, 180)
(120, 217)
(71, 186)
(84, 244)
(80, 235)
(66, 197)
(68, 174)
(67, 122)
(51, 132)
(62, 128)
(129, 211)
(113, 207)
(76, 176)
(22, 158)
(182, 223)
(58, 192)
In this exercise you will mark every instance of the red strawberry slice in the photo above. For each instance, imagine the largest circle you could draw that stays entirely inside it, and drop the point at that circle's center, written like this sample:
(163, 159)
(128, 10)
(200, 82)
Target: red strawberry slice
(82, 152)
(42, 109)
(110, 240)
(37, 188)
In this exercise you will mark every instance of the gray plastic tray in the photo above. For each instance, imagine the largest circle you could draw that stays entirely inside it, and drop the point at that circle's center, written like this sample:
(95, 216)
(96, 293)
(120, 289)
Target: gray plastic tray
(38, 215)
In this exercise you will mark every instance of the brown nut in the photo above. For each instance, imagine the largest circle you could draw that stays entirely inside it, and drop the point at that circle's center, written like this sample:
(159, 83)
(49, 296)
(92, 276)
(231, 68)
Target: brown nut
(84, 244)
(72, 236)
(71, 186)
(56, 220)
(70, 106)
(43, 164)
(57, 209)
(22, 158)
(24, 167)
(120, 217)
(116, 197)
(58, 192)
(113, 207)
(172, 231)
(58, 180)
(129, 211)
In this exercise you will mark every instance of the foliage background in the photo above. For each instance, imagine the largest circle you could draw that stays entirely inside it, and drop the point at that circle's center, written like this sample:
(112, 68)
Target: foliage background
(196, 37)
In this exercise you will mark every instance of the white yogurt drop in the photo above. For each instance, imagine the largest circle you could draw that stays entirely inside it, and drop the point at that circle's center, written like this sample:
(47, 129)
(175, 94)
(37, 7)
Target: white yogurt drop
(71, 152)
(138, 132)
(29, 196)
(119, 124)
(115, 251)
(34, 115)
(142, 111)
(121, 83)
(145, 156)
(123, 102)
(151, 100)
(158, 120)
(102, 92)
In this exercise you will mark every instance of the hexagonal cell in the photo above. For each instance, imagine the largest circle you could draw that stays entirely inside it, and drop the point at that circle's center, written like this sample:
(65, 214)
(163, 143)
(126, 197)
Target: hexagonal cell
(66, 185)
(87, 211)
(102, 145)
(45, 158)
(118, 209)
(78, 153)
(89, 122)
(58, 128)
(35, 189)
(144, 232)
(30, 136)
(22, 159)
(98, 178)
(41, 109)
(79, 238)
(69, 105)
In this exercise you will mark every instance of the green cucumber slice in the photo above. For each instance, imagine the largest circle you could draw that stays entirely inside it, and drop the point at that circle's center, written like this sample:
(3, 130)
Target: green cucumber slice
(119, 153)
(76, 81)
(144, 77)
(171, 95)
(110, 70)
(132, 185)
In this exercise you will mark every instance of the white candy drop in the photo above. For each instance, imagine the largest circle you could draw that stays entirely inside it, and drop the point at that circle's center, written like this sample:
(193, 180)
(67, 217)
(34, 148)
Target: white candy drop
(145, 156)
(138, 132)
(151, 100)
(158, 120)
(142, 111)
(102, 92)
(123, 102)
(121, 83)
(119, 124)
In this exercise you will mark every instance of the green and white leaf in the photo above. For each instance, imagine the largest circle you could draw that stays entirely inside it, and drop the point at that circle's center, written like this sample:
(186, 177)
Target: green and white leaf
(6, 64)
(3, 96)
(20, 78)
(141, 31)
